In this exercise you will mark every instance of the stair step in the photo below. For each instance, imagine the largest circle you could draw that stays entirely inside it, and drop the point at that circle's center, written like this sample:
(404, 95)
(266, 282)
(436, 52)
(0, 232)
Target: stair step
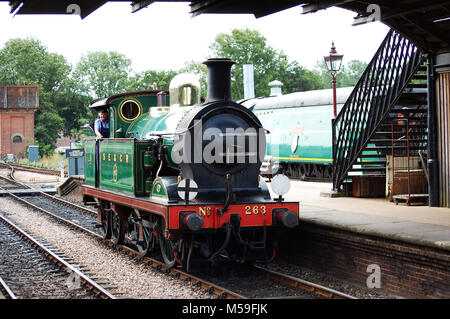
(421, 120)
(414, 118)
(417, 86)
(413, 111)
(367, 169)
(420, 77)
(371, 155)
(414, 94)
(410, 102)
(371, 163)
(387, 140)
(378, 148)
(422, 68)
(389, 133)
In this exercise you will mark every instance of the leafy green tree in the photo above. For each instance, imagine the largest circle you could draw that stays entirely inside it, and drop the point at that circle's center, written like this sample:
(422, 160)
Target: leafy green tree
(28, 62)
(348, 75)
(47, 123)
(246, 46)
(296, 79)
(102, 74)
(22, 62)
(144, 80)
(200, 70)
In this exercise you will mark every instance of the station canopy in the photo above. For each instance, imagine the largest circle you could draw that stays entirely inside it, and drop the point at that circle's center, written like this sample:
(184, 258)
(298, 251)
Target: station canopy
(425, 22)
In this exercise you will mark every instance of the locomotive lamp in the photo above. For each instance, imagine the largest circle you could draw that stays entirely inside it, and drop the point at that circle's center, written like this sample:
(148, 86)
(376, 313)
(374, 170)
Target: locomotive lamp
(280, 185)
(333, 62)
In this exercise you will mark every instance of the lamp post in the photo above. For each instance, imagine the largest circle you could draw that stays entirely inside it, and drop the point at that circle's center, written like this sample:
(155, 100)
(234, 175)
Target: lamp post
(333, 62)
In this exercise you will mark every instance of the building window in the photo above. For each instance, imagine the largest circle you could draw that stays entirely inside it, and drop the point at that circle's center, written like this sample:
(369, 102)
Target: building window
(17, 139)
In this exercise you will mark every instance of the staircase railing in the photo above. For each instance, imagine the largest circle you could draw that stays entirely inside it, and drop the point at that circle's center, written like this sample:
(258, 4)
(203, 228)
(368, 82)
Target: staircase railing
(382, 83)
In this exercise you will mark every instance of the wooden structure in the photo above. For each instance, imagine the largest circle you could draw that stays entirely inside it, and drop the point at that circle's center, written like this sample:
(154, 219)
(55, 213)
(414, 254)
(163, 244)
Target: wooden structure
(408, 181)
(443, 131)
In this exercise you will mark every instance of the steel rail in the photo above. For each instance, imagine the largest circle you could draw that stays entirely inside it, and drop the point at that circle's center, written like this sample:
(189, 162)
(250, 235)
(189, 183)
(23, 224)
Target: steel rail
(4, 287)
(304, 284)
(90, 284)
(69, 204)
(13, 179)
(45, 171)
(214, 289)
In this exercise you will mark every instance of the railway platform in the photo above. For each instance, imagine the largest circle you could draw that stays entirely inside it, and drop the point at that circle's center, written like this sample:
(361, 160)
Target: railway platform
(422, 225)
(404, 249)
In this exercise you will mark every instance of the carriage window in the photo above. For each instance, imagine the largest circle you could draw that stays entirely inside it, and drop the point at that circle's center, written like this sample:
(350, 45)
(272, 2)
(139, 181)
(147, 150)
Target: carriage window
(17, 139)
(130, 110)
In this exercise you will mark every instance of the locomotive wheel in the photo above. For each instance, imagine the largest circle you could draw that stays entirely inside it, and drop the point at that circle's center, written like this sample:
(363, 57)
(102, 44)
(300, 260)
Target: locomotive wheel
(186, 252)
(167, 247)
(105, 227)
(147, 244)
(117, 228)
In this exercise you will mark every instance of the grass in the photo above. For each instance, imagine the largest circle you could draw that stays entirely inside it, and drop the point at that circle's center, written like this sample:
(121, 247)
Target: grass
(52, 161)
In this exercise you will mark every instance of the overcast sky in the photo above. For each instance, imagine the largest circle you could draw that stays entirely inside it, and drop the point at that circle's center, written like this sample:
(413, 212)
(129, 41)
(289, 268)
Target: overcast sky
(164, 35)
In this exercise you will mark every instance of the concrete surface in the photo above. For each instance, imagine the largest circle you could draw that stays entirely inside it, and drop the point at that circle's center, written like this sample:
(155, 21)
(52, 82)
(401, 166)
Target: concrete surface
(417, 224)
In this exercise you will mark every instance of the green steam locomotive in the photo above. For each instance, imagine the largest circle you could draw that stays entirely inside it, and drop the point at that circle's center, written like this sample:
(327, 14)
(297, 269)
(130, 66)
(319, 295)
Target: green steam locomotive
(184, 176)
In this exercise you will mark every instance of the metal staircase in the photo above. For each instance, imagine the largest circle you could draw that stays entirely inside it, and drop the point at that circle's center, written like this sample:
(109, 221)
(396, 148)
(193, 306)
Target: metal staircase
(392, 87)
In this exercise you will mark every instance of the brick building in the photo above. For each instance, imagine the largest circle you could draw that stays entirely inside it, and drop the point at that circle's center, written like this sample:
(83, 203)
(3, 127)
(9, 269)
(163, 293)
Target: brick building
(17, 107)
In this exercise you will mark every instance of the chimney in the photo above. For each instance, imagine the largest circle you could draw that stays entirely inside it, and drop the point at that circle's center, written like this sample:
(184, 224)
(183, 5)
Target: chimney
(219, 79)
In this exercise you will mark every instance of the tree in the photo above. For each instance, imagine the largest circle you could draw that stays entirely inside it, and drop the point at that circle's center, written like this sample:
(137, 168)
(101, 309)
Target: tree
(200, 70)
(144, 80)
(348, 75)
(246, 46)
(102, 74)
(28, 62)
(296, 79)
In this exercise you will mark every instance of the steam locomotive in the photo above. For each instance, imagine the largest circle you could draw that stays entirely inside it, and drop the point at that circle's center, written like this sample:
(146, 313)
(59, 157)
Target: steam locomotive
(185, 177)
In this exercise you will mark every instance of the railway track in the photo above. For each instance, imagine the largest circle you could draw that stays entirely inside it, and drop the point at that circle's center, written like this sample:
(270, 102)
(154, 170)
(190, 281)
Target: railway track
(5, 291)
(30, 269)
(84, 220)
(46, 171)
(8, 183)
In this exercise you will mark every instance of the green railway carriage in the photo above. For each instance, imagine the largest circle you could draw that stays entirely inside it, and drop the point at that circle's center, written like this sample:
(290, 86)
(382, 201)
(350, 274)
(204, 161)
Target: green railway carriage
(300, 136)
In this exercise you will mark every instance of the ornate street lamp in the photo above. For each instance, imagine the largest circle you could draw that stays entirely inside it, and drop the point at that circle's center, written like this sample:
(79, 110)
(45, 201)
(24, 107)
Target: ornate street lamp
(333, 62)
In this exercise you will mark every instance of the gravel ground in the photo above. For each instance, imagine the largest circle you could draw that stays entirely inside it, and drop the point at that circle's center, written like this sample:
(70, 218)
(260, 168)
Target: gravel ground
(132, 279)
(29, 273)
(294, 270)
(246, 282)
(328, 281)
